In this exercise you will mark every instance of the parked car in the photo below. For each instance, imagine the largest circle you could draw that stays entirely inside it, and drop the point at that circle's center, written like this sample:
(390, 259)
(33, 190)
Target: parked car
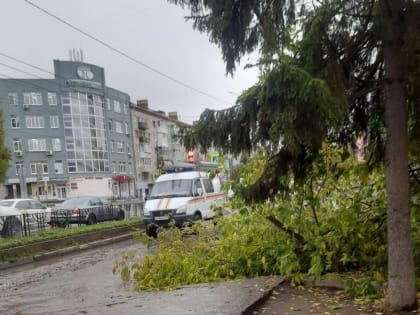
(22, 214)
(85, 210)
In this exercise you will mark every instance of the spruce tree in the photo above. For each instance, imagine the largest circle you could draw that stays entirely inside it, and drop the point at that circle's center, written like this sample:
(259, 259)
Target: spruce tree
(330, 70)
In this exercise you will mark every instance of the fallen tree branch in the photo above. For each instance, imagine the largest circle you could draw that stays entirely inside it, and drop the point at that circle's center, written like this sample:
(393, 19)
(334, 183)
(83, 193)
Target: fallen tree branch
(277, 223)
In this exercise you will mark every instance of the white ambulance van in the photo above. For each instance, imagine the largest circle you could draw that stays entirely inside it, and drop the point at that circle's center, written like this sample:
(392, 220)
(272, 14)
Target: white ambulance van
(180, 197)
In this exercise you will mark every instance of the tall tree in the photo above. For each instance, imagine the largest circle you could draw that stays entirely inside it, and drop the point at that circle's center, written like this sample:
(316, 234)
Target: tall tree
(332, 69)
(401, 285)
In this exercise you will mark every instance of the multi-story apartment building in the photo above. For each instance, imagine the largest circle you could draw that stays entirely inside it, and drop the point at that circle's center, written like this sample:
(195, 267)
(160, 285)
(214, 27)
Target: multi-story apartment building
(155, 143)
(70, 135)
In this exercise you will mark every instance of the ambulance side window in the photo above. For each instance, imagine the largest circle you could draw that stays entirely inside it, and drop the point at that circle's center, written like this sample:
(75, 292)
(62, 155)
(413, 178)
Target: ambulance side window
(208, 185)
(197, 188)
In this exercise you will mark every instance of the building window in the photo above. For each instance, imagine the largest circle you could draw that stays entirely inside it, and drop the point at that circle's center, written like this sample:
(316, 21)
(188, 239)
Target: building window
(108, 104)
(145, 147)
(110, 125)
(17, 145)
(56, 144)
(125, 108)
(118, 127)
(127, 129)
(117, 107)
(120, 147)
(145, 161)
(114, 167)
(39, 167)
(54, 122)
(71, 166)
(36, 145)
(19, 168)
(15, 122)
(73, 186)
(122, 168)
(65, 99)
(52, 99)
(32, 98)
(13, 99)
(58, 167)
(85, 133)
(34, 121)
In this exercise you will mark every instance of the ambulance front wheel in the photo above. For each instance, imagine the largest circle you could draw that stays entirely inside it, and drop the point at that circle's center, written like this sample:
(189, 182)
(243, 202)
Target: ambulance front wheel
(151, 230)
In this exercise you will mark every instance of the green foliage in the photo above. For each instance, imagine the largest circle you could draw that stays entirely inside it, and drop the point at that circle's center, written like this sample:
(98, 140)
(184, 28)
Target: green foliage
(241, 246)
(362, 286)
(339, 210)
(333, 222)
(4, 152)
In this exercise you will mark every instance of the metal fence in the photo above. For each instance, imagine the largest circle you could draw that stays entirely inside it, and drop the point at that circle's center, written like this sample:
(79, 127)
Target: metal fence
(27, 224)
(24, 224)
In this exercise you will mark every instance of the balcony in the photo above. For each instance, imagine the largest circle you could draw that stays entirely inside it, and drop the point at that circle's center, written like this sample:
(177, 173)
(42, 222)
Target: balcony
(143, 139)
(142, 125)
(143, 154)
(145, 169)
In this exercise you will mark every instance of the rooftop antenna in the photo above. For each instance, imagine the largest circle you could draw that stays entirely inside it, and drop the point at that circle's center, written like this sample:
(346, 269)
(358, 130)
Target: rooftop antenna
(81, 55)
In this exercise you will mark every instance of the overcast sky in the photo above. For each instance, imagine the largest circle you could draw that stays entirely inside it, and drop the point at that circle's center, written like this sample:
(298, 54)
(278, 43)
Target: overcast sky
(153, 32)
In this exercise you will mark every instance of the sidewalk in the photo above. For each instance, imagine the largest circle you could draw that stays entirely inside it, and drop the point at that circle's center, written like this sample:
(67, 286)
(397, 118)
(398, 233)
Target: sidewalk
(223, 298)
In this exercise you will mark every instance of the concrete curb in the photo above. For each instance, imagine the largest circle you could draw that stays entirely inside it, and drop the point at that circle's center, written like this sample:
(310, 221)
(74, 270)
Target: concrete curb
(65, 251)
(6, 265)
(265, 294)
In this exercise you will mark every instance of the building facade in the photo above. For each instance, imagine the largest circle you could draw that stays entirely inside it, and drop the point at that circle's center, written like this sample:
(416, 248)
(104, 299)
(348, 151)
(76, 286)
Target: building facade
(155, 143)
(69, 136)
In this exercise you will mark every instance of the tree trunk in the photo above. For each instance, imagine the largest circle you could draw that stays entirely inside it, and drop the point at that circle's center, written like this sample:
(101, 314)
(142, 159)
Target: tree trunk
(401, 274)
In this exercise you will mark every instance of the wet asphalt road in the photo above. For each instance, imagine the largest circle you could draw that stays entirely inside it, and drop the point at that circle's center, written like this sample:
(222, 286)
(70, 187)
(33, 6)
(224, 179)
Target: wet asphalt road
(83, 283)
(79, 283)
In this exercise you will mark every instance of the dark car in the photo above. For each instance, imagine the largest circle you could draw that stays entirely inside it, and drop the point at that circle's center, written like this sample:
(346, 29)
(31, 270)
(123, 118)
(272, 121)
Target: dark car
(85, 210)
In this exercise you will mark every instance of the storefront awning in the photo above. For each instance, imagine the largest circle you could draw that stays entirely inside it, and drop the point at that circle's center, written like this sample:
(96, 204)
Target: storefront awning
(123, 178)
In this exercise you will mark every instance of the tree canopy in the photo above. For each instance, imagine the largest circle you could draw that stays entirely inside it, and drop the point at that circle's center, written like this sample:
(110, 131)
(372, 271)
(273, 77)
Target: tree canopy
(322, 77)
(330, 70)
(4, 152)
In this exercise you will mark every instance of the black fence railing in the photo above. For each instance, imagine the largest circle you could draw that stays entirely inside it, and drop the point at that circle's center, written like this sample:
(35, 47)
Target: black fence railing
(24, 224)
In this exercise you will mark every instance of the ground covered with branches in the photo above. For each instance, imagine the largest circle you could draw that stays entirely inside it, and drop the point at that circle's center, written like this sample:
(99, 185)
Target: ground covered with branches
(331, 225)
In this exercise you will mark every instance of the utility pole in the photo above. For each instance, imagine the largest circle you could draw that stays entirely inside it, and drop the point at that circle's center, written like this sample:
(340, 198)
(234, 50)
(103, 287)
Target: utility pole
(22, 180)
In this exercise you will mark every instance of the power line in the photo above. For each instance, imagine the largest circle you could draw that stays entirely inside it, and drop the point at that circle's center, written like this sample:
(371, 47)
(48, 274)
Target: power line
(19, 70)
(26, 63)
(124, 54)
